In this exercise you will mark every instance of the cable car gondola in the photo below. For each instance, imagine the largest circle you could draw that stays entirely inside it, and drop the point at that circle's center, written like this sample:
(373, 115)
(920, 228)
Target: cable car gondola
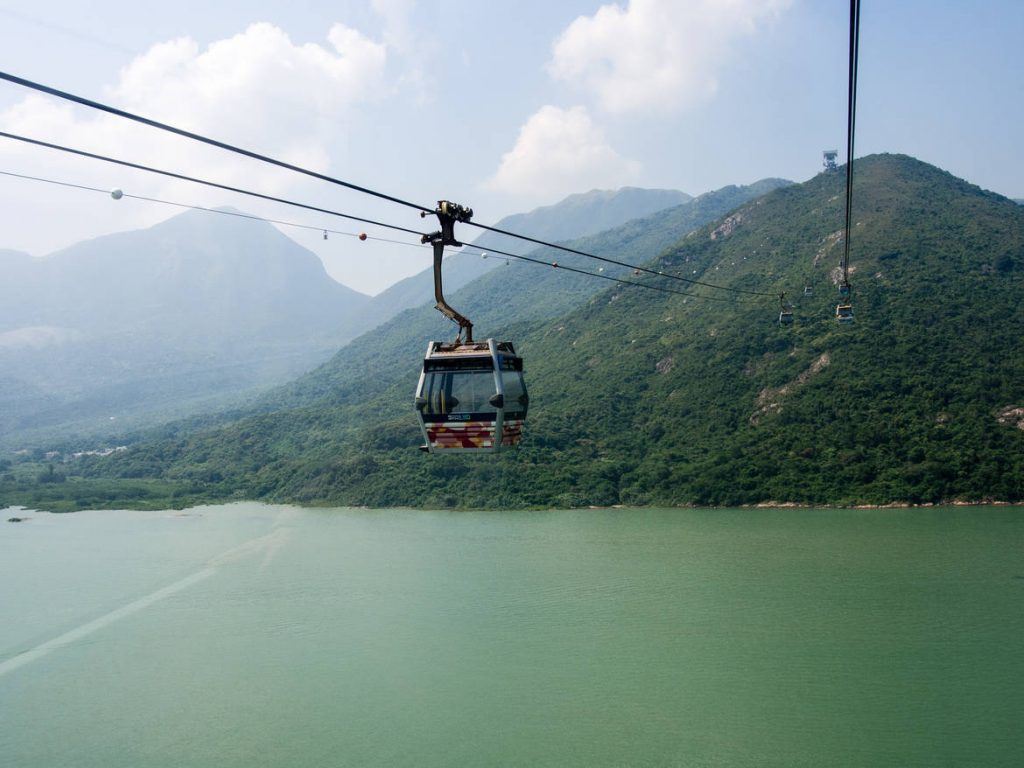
(785, 311)
(471, 396)
(844, 309)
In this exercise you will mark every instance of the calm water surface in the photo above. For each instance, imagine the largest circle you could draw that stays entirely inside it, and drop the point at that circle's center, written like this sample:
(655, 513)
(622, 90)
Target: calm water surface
(251, 635)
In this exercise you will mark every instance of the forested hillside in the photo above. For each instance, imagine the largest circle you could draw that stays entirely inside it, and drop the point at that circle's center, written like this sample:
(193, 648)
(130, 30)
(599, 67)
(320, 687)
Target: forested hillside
(641, 397)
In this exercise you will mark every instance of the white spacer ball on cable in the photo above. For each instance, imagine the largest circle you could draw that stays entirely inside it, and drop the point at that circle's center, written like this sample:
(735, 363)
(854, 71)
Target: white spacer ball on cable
(117, 194)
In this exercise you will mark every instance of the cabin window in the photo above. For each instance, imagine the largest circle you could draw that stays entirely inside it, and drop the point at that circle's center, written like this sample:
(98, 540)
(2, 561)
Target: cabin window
(465, 391)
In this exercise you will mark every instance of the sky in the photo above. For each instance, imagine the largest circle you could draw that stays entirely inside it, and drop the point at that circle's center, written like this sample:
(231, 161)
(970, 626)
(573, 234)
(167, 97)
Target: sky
(501, 106)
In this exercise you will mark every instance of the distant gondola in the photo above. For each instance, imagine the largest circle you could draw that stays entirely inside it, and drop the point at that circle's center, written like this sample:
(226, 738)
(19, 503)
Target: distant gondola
(785, 311)
(844, 310)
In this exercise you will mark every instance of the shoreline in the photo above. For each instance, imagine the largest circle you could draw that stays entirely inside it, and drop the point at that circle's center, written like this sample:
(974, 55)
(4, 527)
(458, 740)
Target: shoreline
(18, 509)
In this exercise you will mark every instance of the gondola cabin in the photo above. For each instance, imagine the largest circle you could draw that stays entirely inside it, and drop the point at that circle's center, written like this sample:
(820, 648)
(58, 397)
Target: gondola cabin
(785, 311)
(471, 397)
(844, 313)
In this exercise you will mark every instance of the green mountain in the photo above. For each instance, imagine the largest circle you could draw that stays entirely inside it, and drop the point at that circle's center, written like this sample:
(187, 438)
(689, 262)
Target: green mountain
(575, 216)
(641, 397)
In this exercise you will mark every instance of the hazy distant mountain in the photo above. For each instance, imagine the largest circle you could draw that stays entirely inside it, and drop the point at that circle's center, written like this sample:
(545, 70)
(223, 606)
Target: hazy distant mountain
(195, 274)
(161, 320)
(592, 212)
(14, 266)
(9, 258)
(575, 216)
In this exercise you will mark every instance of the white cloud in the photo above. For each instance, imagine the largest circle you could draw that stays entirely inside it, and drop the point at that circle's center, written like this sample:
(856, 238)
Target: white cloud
(397, 18)
(413, 51)
(558, 152)
(655, 54)
(257, 89)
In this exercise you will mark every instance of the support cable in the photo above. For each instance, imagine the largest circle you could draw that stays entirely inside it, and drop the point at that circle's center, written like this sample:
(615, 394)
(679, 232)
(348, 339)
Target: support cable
(349, 185)
(609, 260)
(220, 211)
(204, 182)
(198, 137)
(556, 265)
(483, 250)
(851, 121)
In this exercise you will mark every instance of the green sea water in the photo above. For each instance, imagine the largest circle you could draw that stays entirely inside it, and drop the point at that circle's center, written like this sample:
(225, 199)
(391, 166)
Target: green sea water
(251, 635)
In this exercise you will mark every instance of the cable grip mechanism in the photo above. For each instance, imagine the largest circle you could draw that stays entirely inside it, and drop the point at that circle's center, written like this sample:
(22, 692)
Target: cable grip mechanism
(447, 214)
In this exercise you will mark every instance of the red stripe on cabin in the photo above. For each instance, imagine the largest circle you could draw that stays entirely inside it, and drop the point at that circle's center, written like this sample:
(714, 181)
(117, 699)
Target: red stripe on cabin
(472, 434)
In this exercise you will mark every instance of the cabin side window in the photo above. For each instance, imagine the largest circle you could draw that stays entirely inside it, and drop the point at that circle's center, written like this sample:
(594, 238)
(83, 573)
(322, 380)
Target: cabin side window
(516, 400)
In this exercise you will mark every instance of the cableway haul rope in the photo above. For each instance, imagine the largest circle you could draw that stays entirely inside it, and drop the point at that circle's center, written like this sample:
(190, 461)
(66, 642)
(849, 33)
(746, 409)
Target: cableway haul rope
(204, 182)
(81, 100)
(219, 211)
(608, 260)
(844, 309)
(239, 214)
(198, 137)
(851, 123)
(556, 265)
